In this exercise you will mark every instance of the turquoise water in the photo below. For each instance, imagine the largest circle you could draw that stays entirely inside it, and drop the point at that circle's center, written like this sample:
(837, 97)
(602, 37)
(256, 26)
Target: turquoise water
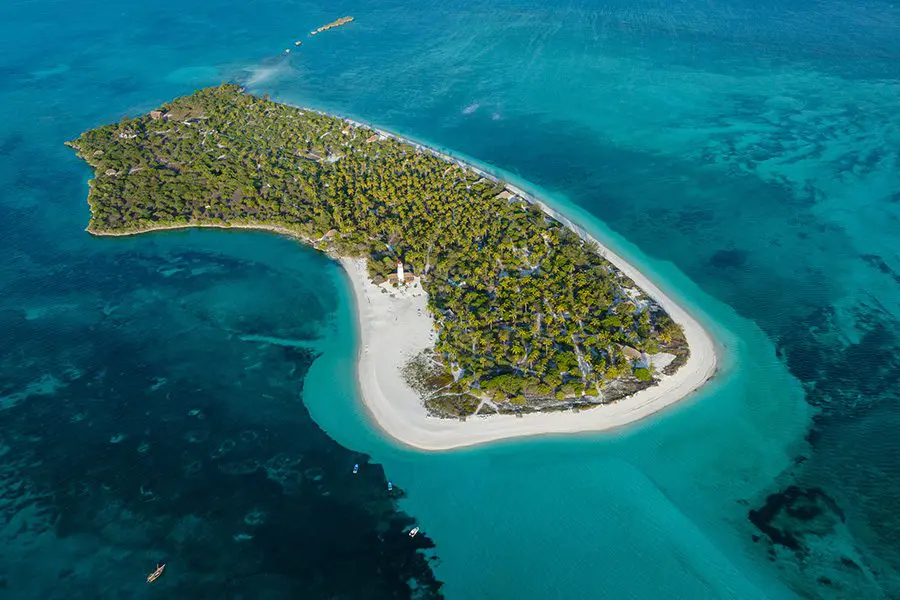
(747, 152)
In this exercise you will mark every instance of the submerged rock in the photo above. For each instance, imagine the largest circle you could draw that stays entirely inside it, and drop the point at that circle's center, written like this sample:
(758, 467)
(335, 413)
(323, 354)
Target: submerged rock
(786, 516)
(196, 436)
(808, 539)
(255, 517)
(243, 467)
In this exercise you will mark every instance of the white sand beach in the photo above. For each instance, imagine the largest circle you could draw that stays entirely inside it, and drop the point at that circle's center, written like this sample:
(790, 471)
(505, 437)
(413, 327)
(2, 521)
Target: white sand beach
(394, 329)
(396, 326)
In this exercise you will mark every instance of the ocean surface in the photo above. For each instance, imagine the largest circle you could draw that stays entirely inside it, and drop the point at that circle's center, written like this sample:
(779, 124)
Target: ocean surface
(189, 397)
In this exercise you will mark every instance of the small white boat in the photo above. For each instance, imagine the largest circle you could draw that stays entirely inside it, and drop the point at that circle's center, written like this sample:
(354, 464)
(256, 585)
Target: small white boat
(155, 574)
(413, 532)
(390, 486)
(356, 468)
(298, 43)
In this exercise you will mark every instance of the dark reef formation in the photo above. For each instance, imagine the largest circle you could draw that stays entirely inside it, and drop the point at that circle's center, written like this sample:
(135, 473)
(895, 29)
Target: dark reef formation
(164, 437)
(794, 512)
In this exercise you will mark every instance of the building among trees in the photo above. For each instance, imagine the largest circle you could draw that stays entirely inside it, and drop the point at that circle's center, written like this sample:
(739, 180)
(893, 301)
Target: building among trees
(401, 276)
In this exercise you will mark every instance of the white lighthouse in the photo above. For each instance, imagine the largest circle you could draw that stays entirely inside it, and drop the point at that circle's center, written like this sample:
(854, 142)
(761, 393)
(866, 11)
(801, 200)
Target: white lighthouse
(401, 278)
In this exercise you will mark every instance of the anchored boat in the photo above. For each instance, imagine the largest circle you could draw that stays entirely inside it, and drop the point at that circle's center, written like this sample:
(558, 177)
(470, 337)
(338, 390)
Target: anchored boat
(155, 574)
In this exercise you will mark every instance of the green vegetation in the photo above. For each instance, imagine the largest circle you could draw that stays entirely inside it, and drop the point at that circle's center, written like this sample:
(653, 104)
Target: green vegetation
(643, 374)
(527, 314)
(426, 374)
(452, 405)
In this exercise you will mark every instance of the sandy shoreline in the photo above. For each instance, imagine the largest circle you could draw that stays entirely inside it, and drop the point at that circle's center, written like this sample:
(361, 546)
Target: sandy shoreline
(390, 333)
(257, 227)
(395, 327)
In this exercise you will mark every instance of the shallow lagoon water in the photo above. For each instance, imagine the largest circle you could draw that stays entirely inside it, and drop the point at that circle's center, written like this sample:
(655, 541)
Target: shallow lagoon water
(591, 511)
(748, 152)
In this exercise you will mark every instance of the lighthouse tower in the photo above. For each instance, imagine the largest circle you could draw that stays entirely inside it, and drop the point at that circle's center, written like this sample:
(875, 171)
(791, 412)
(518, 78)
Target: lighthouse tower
(401, 278)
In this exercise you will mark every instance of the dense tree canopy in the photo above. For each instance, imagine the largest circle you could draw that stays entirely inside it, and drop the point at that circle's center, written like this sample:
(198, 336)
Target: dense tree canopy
(526, 312)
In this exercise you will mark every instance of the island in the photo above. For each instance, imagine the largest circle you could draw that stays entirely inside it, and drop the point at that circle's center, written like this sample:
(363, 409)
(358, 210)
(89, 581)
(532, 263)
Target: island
(483, 313)
(335, 23)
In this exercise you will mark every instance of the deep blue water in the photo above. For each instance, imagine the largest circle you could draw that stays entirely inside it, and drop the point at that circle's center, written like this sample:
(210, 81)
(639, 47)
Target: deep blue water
(747, 152)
